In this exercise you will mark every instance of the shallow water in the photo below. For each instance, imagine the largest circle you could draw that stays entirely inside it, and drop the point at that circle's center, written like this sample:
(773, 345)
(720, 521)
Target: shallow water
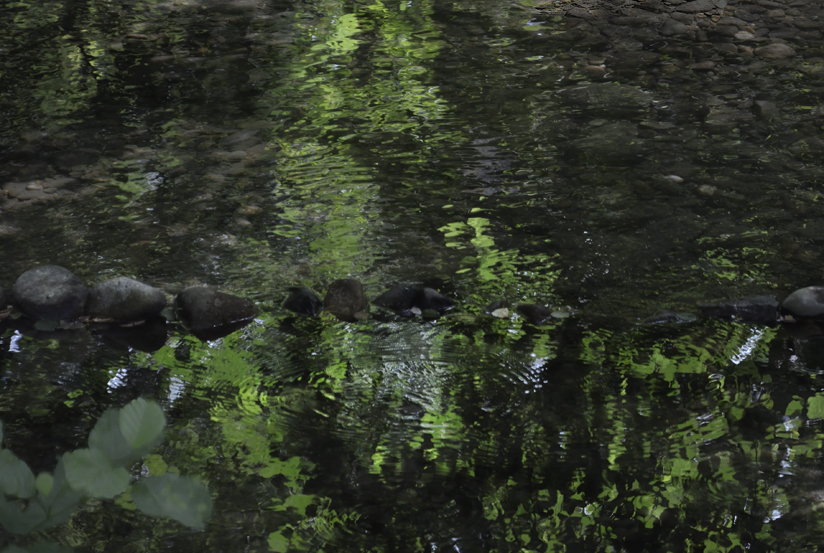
(592, 157)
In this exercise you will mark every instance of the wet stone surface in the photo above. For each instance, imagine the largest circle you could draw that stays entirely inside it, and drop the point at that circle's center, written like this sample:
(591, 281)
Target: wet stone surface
(50, 293)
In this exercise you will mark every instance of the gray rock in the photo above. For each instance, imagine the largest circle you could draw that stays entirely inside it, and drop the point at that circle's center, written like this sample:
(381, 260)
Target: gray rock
(410, 299)
(671, 27)
(345, 300)
(697, 6)
(611, 99)
(50, 292)
(806, 303)
(775, 51)
(211, 314)
(124, 300)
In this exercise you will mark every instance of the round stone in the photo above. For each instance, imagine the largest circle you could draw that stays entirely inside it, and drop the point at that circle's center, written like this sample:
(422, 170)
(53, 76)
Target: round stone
(806, 303)
(50, 292)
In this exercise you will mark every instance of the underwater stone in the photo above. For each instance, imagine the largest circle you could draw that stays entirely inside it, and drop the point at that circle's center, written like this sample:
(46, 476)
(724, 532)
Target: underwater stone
(775, 51)
(2, 299)
(303, 301)
(410, 299)
(754, 309)
(805, 303)
(124, 299)
(535, 314)
(345, 300)
(50, 292)
(211, 314)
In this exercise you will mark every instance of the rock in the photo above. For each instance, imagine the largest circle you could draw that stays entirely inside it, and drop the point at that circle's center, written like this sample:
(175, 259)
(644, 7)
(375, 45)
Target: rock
(696, 6)
(410, 299)
(50, 292)
(345, 300)
(124, 300)
(303, 301)
(211, 314)
(609, 99)
(775, 51)
(535, 314)
(612, 144)
(2, 299)
(666, 317)
(754, 309)
(671, 27)
(806, 303)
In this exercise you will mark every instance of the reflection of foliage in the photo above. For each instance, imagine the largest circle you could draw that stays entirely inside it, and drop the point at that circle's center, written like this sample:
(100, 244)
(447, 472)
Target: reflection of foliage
(120, 437)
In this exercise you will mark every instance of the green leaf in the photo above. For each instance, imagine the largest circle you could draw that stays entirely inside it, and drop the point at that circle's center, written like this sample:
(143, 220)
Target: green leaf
(44, 483)
(21, 522)
(16, 478)
(181, 498)
(815, 407)
(90, 472)
(141, 422)
(107, 437)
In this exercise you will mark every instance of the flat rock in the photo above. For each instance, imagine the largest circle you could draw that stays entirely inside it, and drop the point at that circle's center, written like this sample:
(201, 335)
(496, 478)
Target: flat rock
(50, 292)
(211, 314)
(345, 300)
(754, 309)
(303, 301)
(805, 303)
(124, 299)
(775, 51)
(696, 6)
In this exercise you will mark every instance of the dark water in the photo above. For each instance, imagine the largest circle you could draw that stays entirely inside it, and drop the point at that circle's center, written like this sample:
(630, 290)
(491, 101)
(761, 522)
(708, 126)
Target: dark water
(608, 160)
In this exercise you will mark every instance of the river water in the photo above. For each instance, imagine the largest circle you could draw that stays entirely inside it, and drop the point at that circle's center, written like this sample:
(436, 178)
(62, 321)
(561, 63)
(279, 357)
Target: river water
(610, 160)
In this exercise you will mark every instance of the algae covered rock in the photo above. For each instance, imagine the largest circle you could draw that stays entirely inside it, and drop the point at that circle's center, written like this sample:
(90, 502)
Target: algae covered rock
(50, 292)
(346, 300)
(124, 299)
(211, 314)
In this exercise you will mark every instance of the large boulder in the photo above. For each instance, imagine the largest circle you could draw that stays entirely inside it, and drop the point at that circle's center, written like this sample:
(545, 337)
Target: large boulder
(124, 300)
(345, 300)
(806, 303)
(50, 293)
(211, 314)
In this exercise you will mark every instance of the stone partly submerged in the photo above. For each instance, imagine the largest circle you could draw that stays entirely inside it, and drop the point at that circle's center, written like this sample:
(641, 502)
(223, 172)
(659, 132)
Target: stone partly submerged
(346, 300)
(124, 300)
(535, 314)
(50, 292)
(754, 309)
(805, 303)
(211, 314)
(410, 299)
(303, 301)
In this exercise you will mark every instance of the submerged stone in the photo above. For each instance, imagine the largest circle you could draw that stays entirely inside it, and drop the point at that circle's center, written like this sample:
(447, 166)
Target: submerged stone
(303, 301)
(50, 292)
(754, 309)
(610, 99)
(666, 317)
(805, 303)
(2, 299)
(345, 300)
(535, 314)
(410, 299)
(149, 336)
(211, 314)
(124, 299)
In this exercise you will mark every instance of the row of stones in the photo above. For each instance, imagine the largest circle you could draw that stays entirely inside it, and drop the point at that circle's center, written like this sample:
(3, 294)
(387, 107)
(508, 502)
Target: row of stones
(53, 293)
